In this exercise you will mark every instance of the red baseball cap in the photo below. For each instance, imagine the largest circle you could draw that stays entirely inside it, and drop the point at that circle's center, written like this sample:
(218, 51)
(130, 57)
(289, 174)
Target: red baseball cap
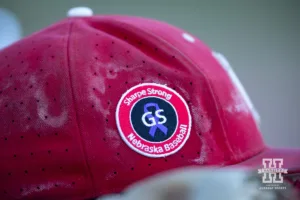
(92, 104)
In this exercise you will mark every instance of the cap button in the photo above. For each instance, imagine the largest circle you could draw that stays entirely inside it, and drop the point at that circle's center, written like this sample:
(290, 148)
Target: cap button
(80, 12)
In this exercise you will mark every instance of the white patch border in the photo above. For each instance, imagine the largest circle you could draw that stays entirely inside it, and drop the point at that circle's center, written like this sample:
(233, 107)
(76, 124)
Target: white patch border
(137, 150)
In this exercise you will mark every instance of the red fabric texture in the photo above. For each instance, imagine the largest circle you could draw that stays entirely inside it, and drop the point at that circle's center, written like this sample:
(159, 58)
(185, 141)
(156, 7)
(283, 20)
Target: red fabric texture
(59, 89)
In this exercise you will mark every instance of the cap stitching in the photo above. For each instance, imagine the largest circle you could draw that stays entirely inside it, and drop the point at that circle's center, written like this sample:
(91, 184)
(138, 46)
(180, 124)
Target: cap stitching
(120, 24)
(189, 60)
(220, 113)
(147, 32)
(75, 106)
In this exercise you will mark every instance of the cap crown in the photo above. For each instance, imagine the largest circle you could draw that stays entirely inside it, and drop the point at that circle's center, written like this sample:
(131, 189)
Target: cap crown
(59, 89)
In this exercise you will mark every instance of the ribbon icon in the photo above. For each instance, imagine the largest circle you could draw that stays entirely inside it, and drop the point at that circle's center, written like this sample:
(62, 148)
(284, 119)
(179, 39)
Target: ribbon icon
(153, 128)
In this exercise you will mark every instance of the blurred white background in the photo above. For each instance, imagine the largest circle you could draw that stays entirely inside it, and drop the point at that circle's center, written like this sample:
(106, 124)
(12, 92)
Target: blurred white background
(260, 38)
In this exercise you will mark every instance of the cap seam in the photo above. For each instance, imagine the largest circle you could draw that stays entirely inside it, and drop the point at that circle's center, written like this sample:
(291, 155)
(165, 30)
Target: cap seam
(190, 61)
(75, 107)
(253, 154)
(145, 31)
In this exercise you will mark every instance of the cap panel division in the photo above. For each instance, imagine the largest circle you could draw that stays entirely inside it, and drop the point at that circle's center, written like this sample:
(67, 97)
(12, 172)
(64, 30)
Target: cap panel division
(235, 117)
(40, 150)
(108, 58)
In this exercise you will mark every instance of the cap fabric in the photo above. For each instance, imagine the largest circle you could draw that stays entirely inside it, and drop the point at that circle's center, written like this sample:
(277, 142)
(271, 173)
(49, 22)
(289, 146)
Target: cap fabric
(63, 114)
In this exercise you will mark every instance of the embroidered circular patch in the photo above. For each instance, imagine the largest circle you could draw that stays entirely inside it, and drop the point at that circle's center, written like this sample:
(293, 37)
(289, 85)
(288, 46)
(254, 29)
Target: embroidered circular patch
(153, 120)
